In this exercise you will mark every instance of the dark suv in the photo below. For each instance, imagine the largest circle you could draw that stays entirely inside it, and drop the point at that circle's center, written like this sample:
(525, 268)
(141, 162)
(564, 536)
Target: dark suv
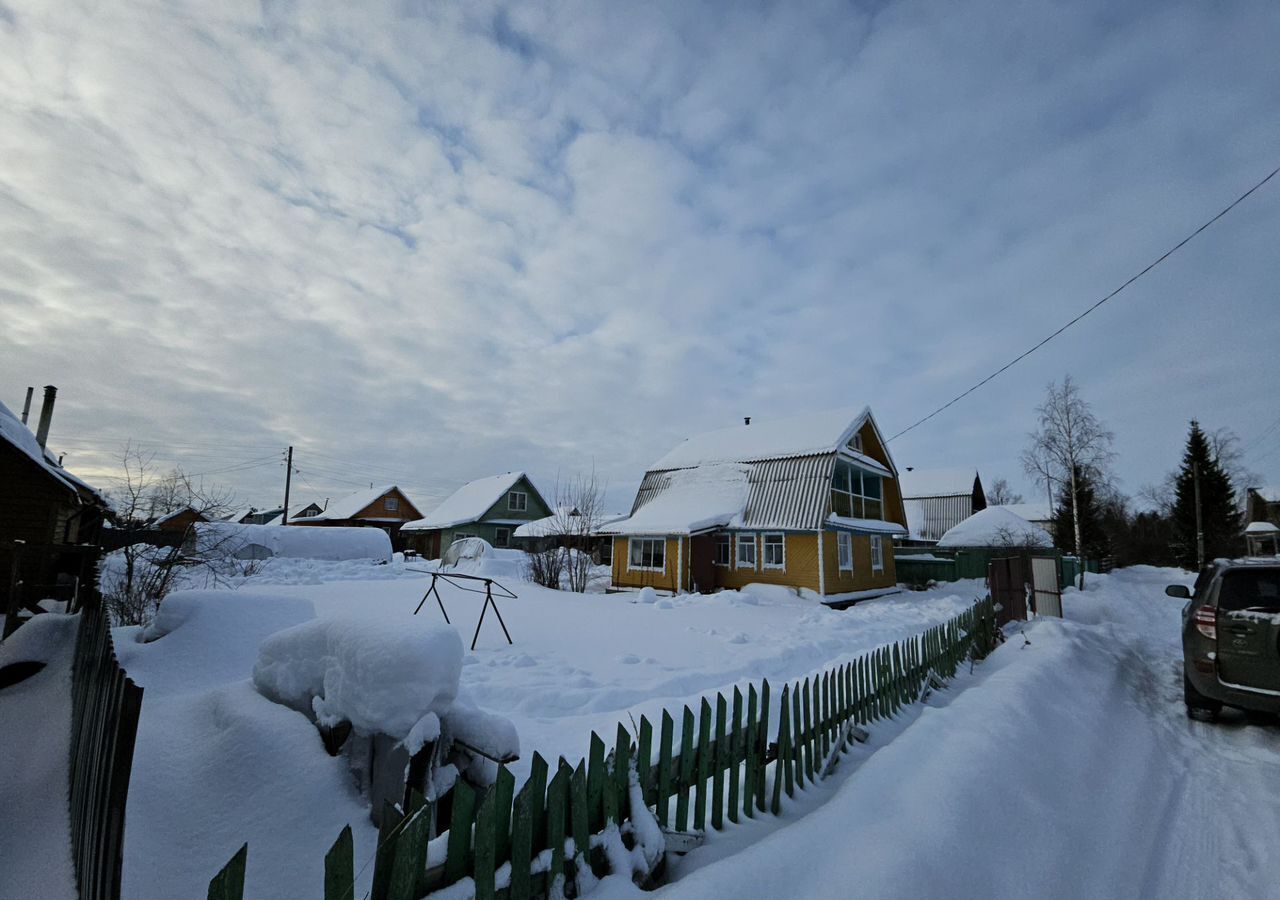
(1231, 638)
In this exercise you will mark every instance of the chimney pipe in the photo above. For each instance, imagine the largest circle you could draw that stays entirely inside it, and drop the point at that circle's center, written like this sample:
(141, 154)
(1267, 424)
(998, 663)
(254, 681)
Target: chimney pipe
(26, 407)
(746, 420)
(46, 414)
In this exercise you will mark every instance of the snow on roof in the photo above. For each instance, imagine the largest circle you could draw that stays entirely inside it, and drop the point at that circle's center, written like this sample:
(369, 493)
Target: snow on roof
(937, 482)
(995, 526)
(231, 539)
(467, 504)
(695, 499)
(21, 438)
(1032, 512)
(867, 526)
(915, 519)
(553, 524)
(349, 507)
(1268, 493)
(160, 520)
(802, 435)
(1261, 528)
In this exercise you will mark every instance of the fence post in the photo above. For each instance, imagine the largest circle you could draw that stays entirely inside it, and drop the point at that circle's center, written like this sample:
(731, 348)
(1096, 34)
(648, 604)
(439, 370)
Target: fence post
(229, 883)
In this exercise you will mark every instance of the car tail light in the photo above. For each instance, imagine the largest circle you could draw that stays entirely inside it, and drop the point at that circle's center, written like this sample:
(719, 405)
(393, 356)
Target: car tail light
(1206, 619)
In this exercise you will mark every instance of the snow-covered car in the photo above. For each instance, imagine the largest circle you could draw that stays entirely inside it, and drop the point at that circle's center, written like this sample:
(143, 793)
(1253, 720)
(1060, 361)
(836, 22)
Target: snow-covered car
(1231, 638)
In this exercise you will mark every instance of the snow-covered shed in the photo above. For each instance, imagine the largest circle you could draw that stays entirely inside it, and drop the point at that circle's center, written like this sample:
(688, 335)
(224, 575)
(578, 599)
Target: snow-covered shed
(995, 526)
(383, 506)
(803, 501)
(490, 508)
(937, 499)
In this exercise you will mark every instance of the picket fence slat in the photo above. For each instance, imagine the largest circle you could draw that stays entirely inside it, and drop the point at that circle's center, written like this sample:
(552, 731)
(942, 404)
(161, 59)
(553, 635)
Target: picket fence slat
(339, 868)
(595, 784)
(557, 801)
(486, 843)
(579, 801)
(458, 857)
(504, 789)
(538, 774)
(722, 763)
(229, 883)
(522, 842)
(664, 768)
(704, 764)
(762, 750)
(644, 760)
(735, 754)
(622, 773)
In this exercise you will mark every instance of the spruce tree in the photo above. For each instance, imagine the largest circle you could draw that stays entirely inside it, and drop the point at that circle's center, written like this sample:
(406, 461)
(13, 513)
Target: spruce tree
(1220, 520)
(1092, 527)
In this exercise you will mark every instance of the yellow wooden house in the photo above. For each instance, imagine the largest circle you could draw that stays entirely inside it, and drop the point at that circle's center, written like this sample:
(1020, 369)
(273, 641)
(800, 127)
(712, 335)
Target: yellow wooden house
(809, 501)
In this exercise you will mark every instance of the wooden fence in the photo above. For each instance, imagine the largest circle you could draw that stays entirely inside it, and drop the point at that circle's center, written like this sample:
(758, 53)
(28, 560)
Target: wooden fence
(562, 830)
(104, 723)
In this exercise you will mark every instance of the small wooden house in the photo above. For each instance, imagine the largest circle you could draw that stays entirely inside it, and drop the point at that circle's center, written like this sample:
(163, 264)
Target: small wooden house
(384, 507)
(1263, 504)
(180, 520)
(490, 508)
(807, 501)
(937, 500)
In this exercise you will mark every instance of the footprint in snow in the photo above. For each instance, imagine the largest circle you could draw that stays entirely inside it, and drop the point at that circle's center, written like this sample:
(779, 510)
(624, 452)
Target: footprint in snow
(629, 659)
(524, 661)
(738, 638)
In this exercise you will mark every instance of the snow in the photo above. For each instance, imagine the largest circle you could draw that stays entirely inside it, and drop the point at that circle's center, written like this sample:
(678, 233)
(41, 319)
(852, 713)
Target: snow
(1063, 767)
(349, 507)
(1269, 493)
(555, 524)
(35, 740)
(1032, 512)
(1261, 528)
(937, 483)
(24, 441)
(330, 543)
(915, 518)
(873, 526)
(467, 504)
(380, 676)
(801, 435)
(995, 526)
(694, 500)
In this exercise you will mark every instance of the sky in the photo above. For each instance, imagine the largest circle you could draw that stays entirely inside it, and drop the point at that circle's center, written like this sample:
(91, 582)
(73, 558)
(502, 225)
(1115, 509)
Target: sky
(426, 242)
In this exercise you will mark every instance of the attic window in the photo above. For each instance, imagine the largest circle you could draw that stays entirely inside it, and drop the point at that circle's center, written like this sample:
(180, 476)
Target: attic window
(855, 443)
(855, 493)
(517, 501)
(391, 503)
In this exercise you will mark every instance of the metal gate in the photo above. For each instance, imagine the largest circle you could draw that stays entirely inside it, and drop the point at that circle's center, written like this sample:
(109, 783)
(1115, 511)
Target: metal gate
(1007, 582)
(1046, 593)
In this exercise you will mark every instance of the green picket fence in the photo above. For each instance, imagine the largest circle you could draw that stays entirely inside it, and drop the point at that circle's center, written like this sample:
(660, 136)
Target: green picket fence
(554, 835)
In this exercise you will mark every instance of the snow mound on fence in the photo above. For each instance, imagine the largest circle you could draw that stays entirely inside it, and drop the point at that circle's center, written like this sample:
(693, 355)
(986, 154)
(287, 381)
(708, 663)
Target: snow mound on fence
(379, 676)
(996, 526)
(238, 541)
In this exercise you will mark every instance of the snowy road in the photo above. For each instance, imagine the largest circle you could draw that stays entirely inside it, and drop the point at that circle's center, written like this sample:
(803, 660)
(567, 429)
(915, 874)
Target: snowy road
(1063, 768)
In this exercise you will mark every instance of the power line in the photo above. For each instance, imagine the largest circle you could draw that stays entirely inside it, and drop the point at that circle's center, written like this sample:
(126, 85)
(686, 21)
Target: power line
(1021, 356)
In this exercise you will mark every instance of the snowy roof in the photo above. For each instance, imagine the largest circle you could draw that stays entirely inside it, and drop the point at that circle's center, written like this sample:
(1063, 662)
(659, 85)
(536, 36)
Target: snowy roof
(995, 526)
(348, 507)
(915, 519)
(13, 432)
(937, 482)
(802, 435)
(1261, 528)
(692, 500)
(552, 524)
(160, 520)
(866, 526)
(1032, 512)
(1268, 493)
(468, 503)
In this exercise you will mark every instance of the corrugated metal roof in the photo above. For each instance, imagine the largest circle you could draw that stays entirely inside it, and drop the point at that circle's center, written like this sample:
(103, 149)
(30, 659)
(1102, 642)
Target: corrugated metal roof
(789, 494)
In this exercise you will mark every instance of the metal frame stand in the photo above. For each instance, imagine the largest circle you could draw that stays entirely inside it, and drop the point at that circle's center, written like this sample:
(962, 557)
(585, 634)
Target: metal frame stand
(454, 579)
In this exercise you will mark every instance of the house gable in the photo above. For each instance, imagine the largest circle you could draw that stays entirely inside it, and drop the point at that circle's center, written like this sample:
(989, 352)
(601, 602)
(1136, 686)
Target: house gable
(376, 510)
(535, 506)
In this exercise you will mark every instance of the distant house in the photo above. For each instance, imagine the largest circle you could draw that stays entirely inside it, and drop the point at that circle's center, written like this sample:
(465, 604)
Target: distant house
(1262, 504)
(50, 521)
(254, 516)
(939, 499)
(311, 509)
(807, 501)
(560, 530)
(489, 508)
(179, 520)
(384, 507)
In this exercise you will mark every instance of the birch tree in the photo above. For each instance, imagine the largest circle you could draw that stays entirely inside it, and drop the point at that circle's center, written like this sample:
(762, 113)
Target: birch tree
(1069, 440)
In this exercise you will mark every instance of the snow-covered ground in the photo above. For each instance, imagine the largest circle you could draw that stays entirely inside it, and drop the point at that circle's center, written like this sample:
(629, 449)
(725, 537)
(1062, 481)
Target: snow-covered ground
(217, 764)
(1063, 767)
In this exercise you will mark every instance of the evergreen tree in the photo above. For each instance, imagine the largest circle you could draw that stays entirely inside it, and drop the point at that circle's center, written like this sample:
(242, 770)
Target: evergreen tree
(1220, 521)
(1092, 530)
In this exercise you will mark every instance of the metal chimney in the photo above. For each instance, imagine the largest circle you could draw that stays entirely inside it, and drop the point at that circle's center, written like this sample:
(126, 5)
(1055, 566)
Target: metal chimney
(26, 407)
(46, 414)
(746, 420)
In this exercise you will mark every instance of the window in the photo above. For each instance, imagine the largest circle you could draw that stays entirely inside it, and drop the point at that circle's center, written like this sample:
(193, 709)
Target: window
(648, 553)
(877, 554)
(746, 551)
(855, 443)
(844, 546)
(606, 553)
(856, 494)
(775, 551)
(462, 536)
(724, 549)
(391, 503)
(502, 537)
(517, 501)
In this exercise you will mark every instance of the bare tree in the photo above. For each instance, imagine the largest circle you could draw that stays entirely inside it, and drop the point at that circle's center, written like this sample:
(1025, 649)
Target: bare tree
(1001, 494)
(1068, 441)
(563, 551)
(136, 581)
(1225, 446)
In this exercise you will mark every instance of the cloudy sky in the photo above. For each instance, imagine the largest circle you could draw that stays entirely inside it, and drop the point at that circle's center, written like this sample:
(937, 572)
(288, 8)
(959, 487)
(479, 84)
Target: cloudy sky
(425, 242)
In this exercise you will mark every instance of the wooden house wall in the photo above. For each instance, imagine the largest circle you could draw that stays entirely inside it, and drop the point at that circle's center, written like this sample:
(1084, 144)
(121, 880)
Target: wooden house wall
(862, 578)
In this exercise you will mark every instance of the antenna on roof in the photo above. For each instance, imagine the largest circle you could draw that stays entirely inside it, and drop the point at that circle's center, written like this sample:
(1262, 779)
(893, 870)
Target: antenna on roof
(746, 420)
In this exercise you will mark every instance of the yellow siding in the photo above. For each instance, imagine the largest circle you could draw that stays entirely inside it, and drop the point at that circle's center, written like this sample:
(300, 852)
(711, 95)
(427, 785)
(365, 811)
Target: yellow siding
(663, 581)
(801, 565)
(861, 578)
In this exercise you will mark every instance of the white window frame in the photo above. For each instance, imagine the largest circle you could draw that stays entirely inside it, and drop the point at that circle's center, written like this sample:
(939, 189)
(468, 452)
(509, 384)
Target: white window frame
(764, 551)
(632, 542)
(524, 501)
(844, 547)
(855, 443)
(727, 539)
(755, 551)
(461, 536)
(857, 499)
(391, 504)
(877, 553)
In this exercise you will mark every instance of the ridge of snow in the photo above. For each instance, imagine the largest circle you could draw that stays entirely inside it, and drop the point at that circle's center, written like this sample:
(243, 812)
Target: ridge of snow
(995, 526)
(467, 504)
(695, 499)
(801, 435)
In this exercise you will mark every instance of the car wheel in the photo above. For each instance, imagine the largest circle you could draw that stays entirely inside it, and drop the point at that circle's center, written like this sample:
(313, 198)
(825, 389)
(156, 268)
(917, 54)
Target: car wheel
(1199, 707)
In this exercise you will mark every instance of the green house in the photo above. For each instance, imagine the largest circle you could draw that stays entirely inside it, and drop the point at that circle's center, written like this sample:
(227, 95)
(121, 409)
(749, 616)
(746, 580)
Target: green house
(489, 508)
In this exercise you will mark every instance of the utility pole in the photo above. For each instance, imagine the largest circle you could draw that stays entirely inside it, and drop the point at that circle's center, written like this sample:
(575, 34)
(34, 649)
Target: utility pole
(1195, 472)
(288, 478)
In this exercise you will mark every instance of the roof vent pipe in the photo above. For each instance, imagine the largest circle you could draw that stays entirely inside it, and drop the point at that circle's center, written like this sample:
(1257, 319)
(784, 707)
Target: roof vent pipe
(46, 414)
(26, 407)
(746, 420)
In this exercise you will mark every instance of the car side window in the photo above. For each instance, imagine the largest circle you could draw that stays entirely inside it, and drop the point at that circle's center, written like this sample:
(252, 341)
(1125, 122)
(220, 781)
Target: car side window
(1201, 590)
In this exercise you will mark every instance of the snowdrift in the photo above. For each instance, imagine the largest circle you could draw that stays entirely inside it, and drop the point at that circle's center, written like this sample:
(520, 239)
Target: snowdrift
(238, 541)
(995, 526)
